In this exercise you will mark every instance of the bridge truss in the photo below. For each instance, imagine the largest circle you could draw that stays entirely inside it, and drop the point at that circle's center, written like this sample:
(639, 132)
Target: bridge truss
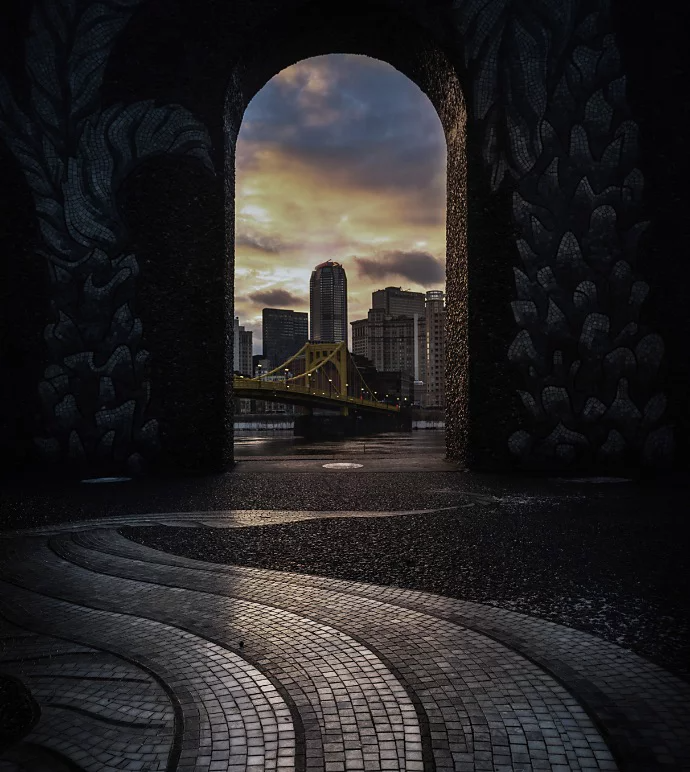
(318, 375)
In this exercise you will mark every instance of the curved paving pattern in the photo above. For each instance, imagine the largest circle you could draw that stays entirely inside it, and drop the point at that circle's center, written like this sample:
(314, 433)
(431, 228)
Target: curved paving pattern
(234, 518)
(194, 665)
(449, 674)
(83, 692)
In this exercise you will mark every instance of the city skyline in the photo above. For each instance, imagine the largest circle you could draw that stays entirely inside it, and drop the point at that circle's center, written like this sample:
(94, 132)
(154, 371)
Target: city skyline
(342, 158)
(307, 314)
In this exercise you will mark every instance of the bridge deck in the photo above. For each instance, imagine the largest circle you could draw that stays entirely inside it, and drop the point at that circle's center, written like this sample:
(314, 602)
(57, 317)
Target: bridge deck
(277, 391)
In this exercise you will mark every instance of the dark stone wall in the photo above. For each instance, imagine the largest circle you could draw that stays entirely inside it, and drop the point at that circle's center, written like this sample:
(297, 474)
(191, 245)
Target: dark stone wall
(181, 301)
(653, 42)
(24, 311)
(23, 280)
(493, 404)
(179, 219)
(173, 53)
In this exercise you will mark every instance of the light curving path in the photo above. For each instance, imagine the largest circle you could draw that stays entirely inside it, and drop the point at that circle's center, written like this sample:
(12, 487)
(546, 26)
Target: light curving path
(143, 660)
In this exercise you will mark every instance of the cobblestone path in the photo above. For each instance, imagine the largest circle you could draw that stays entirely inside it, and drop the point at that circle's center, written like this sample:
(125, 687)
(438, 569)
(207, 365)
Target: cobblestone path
(142, 660)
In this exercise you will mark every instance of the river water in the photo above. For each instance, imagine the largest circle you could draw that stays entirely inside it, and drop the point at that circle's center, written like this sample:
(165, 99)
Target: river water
(263, 443)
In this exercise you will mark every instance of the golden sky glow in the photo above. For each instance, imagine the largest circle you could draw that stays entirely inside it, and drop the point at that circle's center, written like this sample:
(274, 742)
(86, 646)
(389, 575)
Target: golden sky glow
(339, 157)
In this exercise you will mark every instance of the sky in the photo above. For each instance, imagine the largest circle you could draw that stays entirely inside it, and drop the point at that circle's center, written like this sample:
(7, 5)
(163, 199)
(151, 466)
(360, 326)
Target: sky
(339, 157)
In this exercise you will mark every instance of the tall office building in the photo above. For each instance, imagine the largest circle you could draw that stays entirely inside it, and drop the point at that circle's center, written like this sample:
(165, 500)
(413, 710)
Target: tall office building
(392, 343)
(397, 338)
(285, 332)
(246, 344)
(242, 349)
(393, 336)
(328, 302)
(398, 302)
(435, 395)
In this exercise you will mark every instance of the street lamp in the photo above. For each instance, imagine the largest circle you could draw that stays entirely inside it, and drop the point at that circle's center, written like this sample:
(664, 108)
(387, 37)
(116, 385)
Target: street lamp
(258, 367)
(286, 377)
(330, 387)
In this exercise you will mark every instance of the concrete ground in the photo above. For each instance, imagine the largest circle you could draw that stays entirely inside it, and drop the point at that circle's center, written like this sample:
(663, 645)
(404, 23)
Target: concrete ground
(400, 614)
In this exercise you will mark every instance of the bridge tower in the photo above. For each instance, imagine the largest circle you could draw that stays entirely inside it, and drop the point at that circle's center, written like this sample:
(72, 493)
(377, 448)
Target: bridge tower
(317, 352)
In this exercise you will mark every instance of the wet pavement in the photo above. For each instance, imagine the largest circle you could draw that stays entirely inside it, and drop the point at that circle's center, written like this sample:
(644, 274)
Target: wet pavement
(401, 614)
(281, 444)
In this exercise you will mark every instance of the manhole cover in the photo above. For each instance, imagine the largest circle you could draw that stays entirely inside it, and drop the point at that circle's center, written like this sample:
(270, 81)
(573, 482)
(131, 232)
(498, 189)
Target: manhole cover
(342, 465)
(106, 479)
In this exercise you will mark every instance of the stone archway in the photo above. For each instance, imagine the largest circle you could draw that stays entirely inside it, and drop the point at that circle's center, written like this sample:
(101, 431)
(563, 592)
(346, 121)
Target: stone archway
(550, 366)
(413, 52)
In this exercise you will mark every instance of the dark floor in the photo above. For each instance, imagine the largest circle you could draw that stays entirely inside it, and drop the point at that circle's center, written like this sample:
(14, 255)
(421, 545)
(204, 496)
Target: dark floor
(606, 557)
(597, 555)
(304, 484)
(611, 566)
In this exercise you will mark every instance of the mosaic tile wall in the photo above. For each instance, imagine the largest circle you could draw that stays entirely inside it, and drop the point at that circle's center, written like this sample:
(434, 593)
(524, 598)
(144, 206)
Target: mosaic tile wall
(547, 108)
(549, 91)
(75, 154)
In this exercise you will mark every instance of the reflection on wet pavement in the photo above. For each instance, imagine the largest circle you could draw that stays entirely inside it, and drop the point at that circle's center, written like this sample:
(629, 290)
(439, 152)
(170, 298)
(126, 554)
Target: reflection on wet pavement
(283, 443)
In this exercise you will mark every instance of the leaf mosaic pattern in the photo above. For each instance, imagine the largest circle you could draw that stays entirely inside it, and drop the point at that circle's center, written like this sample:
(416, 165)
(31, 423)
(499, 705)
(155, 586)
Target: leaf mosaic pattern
(549, 91)
(75, 155)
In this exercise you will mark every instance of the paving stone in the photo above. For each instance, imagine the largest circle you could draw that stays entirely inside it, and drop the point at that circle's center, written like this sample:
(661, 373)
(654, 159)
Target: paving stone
(331, 675)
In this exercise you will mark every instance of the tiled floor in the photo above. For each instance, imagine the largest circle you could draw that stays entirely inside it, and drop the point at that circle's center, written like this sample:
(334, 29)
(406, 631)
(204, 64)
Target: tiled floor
(141, 660)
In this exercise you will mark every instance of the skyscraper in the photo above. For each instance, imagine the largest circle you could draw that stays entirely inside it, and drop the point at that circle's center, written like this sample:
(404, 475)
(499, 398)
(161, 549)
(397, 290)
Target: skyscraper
(393, 336)
(398, 302)
(285, 332)
(435, 348)
(242, 349)
(392, 343)
(328, 302)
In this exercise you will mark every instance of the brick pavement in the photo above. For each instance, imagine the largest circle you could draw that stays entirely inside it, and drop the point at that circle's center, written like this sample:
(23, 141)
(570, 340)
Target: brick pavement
(143, 660)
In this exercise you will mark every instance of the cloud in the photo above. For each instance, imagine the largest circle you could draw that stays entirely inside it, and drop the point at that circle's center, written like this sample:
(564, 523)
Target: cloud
(338, 156)
(419, 267)
(357, 120)
(276, 298)
(261, 243)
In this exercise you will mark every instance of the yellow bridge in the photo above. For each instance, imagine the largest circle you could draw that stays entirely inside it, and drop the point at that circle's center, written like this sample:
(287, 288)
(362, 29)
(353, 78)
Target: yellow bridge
(319, 375)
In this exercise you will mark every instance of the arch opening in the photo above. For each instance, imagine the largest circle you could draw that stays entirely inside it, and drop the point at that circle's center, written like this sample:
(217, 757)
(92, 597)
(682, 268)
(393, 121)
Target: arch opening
(566, 369)
(339, 158)
(412, 52)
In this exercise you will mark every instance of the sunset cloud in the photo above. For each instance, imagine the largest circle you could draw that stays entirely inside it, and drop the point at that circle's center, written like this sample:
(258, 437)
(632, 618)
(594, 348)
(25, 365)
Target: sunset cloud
(277, 298)
(339, 157)
(261, 243)
(418, 267)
